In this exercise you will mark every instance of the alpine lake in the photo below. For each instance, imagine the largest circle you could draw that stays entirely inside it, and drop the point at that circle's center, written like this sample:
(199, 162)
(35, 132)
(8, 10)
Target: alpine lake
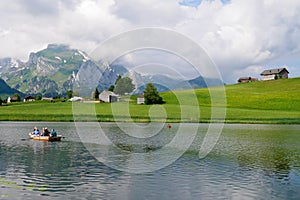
(248, 161)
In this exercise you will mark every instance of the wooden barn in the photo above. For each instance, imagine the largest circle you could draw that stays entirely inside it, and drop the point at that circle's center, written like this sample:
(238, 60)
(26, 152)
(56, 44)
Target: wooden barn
(247, 79)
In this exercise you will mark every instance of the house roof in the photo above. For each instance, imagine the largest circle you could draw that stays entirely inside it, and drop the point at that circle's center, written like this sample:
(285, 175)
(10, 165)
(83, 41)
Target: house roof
(105, 92)
(29, 97)
(273, 71)
(245, 78)
(14, 98)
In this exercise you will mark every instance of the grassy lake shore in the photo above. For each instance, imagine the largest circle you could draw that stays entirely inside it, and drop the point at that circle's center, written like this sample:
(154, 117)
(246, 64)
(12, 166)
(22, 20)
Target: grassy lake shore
(263, 102)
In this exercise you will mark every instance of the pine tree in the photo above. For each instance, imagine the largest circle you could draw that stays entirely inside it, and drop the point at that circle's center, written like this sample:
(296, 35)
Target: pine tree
(96, 95)
(111, 88)
(70, 94)
(118, 78)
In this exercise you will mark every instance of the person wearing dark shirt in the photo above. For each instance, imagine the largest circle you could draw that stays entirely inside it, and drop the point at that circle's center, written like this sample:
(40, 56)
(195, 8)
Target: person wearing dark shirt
(46, 132)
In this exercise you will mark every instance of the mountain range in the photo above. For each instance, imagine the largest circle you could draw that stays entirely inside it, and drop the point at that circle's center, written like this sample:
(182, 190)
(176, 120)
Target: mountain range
(58, 68)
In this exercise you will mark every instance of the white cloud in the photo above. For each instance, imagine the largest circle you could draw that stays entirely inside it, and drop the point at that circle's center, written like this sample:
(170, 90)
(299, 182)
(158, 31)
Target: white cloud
(150, 13)
(236, 35)
(250, 71)
(243, 33)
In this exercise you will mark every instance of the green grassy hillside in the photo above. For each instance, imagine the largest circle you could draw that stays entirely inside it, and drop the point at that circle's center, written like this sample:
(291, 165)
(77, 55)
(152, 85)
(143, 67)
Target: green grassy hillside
(276, 101)
(283, 94)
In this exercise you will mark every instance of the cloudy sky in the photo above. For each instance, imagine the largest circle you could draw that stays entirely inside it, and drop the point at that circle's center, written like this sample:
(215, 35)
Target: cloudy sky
(242, 37)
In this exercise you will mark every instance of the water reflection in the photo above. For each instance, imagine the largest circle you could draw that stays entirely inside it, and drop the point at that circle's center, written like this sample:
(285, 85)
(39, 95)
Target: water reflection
(256, 162)
(275, 155)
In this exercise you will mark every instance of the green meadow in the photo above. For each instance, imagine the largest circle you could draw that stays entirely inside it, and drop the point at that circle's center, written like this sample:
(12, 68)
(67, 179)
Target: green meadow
(276, 102)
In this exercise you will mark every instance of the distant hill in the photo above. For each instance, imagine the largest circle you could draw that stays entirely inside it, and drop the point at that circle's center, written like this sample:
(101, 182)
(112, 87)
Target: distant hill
(6, 91)
(199, 82)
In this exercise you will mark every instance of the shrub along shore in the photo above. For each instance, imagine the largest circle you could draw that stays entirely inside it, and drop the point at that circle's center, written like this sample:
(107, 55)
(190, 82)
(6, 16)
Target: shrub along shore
(267, 102)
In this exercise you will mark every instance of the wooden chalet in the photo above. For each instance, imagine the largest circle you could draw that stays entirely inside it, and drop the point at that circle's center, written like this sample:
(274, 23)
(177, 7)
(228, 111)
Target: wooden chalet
(272, 74)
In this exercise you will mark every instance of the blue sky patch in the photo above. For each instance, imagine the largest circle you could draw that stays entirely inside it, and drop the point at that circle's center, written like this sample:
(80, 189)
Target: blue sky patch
(190, 3)
(196, 3)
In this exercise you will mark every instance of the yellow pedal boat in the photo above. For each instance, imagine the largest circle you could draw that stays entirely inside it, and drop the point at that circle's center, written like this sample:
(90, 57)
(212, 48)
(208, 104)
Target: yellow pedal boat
(45, 138)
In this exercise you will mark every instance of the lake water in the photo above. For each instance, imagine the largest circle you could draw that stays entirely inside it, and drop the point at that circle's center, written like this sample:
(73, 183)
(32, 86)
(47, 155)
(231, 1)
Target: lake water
(248, 162)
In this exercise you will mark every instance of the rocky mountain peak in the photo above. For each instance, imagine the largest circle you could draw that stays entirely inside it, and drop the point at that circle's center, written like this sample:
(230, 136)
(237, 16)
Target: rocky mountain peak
(33, 59)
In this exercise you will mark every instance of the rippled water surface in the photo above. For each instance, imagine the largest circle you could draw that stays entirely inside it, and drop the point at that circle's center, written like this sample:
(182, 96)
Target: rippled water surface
(248, 162)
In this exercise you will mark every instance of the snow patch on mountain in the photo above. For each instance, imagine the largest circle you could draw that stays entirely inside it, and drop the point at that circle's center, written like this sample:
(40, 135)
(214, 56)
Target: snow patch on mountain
(58, 58)
(14, 63)
(85, 56)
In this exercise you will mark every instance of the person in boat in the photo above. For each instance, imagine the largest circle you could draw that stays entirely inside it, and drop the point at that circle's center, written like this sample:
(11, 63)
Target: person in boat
(53, 133)
(45, 132)
(36, 131)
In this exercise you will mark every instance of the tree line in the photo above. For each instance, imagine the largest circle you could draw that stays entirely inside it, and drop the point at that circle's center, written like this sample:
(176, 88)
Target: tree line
(125, 86)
